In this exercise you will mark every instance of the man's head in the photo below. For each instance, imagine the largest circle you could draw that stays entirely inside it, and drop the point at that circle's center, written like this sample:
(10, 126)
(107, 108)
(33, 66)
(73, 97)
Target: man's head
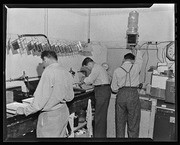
(48, 57)
(129, 57)
(88, 62)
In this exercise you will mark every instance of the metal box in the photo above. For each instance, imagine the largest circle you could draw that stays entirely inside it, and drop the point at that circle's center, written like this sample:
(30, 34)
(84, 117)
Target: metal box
(170, 91)
(164, 126)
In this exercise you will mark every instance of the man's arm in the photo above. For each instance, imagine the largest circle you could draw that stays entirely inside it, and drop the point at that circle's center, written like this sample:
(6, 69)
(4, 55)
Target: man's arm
(41, 95)
(69, 88)
(138, 60)
(114, 84)
(92, 77)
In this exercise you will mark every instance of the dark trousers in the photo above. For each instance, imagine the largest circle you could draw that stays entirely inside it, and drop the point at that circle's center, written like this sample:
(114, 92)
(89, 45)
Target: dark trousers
(102, 98)
(127, 110)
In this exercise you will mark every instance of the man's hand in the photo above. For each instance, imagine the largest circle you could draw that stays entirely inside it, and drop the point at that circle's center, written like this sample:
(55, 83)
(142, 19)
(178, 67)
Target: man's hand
(135, 49)
(20, 110)
(82, 79)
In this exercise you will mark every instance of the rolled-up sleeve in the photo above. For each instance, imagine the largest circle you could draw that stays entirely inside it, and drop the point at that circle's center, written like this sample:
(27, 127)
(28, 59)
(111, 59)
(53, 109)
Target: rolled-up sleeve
(114, 84)
(139, 59)
(92, 77)
(69, 88)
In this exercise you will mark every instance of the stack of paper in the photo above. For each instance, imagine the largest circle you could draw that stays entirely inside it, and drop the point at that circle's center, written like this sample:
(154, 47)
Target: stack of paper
(87, 87)
(12, 107)
(28, 100)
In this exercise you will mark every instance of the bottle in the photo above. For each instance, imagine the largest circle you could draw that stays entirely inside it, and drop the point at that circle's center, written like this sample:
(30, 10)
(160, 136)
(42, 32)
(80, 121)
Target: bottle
(133, 22)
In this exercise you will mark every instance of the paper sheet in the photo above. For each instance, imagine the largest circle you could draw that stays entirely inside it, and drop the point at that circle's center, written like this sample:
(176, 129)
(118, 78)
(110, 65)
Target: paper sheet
(12, 107)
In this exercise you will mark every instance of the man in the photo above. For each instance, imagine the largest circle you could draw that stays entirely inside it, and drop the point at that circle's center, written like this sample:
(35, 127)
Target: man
(54, 89)
(127, 108)
(99, 78)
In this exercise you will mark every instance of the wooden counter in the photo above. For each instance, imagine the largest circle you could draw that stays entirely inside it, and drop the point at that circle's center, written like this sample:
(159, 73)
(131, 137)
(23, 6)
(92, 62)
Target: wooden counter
(20, 125)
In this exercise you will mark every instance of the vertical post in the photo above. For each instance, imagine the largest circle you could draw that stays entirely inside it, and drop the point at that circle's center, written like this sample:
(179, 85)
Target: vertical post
(89, 23)
(46, 22)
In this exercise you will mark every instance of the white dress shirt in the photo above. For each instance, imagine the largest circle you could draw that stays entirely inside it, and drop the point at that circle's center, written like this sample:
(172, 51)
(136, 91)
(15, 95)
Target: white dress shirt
(119, 74)
(55, 85)
(98, 76)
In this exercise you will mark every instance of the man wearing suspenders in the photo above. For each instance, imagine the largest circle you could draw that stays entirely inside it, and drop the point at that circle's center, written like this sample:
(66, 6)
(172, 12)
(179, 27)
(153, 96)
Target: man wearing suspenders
(125, 83)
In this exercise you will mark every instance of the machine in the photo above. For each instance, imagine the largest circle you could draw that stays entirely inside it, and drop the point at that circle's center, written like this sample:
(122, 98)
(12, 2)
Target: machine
(132, 32)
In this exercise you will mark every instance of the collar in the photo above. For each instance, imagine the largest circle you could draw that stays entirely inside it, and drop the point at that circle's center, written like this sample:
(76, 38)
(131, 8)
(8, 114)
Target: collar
(127, 62)
(53, 64)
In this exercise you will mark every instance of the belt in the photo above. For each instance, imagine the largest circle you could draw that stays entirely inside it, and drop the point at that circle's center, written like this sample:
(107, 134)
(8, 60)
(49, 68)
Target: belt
(130, 87)
(102, 85)
(133, 87)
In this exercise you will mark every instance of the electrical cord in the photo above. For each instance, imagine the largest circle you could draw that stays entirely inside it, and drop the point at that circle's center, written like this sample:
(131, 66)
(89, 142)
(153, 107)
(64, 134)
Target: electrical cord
(146, 63)
(164, 53)
(157, 53)
(143, 44)
(171, 65)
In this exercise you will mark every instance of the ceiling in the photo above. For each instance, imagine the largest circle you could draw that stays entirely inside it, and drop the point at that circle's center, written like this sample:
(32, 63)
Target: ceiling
(112, 11)
(108, 9)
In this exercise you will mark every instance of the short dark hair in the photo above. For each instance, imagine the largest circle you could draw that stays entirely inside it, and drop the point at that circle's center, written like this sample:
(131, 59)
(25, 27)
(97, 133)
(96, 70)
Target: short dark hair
(129, 56)
(86, 61)
(49, 54)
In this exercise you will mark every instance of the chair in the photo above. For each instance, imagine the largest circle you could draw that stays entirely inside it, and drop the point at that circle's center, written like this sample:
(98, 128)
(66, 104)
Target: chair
(89, 119)
(71, 123)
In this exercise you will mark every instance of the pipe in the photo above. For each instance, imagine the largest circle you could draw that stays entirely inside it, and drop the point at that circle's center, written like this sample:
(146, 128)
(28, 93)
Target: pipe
(89, 22)
(21, 79)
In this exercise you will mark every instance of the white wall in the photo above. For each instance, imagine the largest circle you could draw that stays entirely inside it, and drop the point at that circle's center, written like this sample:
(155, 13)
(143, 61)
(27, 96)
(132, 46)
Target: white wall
(63, 24)
(107, 31)
(155, 24)
(57, 24)
(20, 21)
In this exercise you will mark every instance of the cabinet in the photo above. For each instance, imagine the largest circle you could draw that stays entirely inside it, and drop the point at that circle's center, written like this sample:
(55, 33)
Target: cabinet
(164, 126)
(148, 106)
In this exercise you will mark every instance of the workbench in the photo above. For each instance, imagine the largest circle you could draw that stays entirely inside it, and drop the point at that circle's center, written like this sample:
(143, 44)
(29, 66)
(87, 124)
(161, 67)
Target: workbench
(20, 125)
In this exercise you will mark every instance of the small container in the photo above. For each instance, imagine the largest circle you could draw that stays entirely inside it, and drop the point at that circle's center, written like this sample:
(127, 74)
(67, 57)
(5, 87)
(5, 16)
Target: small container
(170, 91)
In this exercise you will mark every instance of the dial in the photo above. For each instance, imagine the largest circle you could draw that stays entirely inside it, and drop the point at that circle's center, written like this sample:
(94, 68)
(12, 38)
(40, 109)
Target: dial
(170, 52)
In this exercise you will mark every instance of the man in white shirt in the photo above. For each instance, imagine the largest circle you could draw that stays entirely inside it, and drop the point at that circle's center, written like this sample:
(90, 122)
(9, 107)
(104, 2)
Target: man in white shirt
(125, 83)
(99, 78)
(54, 89)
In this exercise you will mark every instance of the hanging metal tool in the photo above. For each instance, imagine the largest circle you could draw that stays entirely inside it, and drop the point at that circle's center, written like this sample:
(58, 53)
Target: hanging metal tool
(35, 35)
